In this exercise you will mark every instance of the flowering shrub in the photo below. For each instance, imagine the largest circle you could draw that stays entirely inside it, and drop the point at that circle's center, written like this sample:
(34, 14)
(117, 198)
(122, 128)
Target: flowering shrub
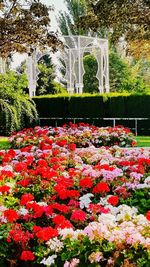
(81, 135)
(68, 206)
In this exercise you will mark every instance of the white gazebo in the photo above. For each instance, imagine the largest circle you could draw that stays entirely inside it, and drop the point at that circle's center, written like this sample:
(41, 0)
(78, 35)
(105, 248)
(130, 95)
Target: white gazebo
(75, 48)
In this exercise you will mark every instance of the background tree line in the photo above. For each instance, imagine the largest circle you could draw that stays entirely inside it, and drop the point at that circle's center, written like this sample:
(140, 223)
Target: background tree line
(25, 24)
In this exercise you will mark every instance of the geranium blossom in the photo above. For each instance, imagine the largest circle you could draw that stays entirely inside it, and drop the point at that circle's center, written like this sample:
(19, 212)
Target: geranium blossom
(65, 205)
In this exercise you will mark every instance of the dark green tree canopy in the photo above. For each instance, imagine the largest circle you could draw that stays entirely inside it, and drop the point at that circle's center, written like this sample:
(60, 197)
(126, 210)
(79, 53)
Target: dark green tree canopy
(25, 24)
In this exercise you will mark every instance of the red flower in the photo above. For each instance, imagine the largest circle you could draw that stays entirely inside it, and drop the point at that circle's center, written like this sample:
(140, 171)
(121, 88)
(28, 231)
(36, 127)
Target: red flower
(72, 147)
(61, 142)
(78, 215)
(95, 208)
(46, 233)
(58, 219)
(20, 166)
(133, 143)
(61, 222)
(36, 228)
(26, 198)
(101, 188)
(42, 162)
(113, 200)
(55, 152)
(73, 203)
(19, 236)
(148, 215)
(24, 182)
(27, 255)
(8, 174)
(60, 207)
(11, 215)
(86, 182)
(4, 189)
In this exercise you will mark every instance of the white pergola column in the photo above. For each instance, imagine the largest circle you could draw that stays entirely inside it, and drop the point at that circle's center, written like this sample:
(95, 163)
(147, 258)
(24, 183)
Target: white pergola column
(101, 80)
(32, 73)
(2, 65)
(107, 87)
(70, 83)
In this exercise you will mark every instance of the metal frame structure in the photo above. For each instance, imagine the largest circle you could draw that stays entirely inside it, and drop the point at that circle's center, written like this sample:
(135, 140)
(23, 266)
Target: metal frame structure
(75, 48)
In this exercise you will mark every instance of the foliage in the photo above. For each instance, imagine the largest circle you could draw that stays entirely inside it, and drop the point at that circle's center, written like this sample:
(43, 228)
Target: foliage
(15, 107)
(58, 88)
(11, 82)
(122, 75)
(24, 25)
(46, 76)
(139, 200)
(125, 75)
(46, 83)
(68, 22)
(97, 106)
(121, 18)
(89, 78)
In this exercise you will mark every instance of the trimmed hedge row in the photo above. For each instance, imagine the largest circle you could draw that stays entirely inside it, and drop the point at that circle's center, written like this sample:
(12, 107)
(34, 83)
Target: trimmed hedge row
(101, 106)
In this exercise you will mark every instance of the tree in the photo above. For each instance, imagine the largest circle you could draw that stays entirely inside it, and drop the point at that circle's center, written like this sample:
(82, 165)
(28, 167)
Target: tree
(127, 18)
(90, 80)
(46, 76)
(46, 83)
(24, 24)
(16, 109)
(119, 71)
(68, 22)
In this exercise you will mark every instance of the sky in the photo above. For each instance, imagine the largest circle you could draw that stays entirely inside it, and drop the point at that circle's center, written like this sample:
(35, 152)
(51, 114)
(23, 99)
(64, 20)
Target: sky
(58, 5)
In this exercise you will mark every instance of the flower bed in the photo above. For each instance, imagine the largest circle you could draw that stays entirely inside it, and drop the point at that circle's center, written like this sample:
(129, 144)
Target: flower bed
(68, 206)
(83, 135)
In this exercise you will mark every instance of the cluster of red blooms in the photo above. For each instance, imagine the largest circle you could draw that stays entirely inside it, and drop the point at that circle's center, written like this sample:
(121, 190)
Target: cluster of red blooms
(71, 135)
(101, 187)
(27, 255)
(47, 192)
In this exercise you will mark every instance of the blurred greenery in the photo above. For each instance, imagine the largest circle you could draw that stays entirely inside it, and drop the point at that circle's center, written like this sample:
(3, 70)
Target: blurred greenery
(16, 108)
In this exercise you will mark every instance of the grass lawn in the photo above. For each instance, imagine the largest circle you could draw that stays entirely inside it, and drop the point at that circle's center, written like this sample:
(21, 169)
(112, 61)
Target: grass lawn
(142, 141)
(4, 143)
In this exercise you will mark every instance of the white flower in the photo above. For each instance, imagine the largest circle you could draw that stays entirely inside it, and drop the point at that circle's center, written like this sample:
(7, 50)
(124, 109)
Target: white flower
(55, 244)
(147, 180)
(23, 211)
(85, 200)
(49, 261)
(42, 203)
(70, 233)
(108, 219)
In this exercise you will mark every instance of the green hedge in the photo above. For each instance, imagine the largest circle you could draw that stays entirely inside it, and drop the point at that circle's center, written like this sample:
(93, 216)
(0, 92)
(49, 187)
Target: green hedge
(92, 106)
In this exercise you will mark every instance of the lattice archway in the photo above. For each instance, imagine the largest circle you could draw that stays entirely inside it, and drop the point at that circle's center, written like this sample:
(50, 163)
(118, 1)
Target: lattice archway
(75, 48)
